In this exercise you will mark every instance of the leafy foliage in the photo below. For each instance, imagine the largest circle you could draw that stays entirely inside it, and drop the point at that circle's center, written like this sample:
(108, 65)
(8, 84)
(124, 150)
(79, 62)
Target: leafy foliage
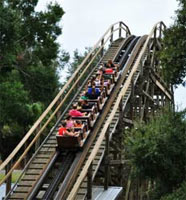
(29, 66)
(77, 59)
(179, 194)
(173, 55)
(157, 150)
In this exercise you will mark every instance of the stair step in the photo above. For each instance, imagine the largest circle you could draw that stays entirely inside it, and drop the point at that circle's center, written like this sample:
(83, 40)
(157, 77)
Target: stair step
(21, 189)
(33, 172)
(28, 183)
(18, 196)
(43, 156)
(40, 161)
(30, 177)
(36, 166)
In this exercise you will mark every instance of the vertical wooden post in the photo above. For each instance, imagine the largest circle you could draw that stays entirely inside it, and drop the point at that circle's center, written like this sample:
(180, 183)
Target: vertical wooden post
(37, 143)
(121, 136)
(89, 183)
(8, 181)
(120, 24)
(158, 100)
(155, 35)
(141, 94)
(160, 36)
(152, 95)
(111, 37)
(146, 110)
(132, 99)
(121, 125)
(162, 100)
(102, 46)
(127, 193)
(107, 159)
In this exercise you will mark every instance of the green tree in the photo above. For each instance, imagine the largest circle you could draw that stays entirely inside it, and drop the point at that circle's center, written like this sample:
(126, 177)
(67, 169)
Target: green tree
(29, 66)
(179, 194)
(76, 61)
(173, 54)
(157, 150)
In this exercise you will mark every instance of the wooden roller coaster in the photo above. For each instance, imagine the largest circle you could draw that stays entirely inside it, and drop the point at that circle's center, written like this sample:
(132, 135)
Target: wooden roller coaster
(137, 92)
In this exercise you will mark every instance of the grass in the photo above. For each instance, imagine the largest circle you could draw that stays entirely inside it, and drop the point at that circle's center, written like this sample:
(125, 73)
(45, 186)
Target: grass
(15, 176)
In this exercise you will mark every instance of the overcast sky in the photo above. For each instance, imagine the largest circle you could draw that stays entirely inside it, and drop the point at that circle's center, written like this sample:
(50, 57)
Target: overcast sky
(85, 21)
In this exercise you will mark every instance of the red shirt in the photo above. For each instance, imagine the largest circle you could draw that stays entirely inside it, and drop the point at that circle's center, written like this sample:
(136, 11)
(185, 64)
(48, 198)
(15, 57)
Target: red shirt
(61, 131)
(108, 71)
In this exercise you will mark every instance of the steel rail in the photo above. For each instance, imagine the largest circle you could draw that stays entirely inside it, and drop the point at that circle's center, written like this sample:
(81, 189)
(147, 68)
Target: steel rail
(61, 173)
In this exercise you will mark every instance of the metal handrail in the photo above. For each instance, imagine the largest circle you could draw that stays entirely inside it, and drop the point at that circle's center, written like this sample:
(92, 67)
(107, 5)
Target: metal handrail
(62, 93)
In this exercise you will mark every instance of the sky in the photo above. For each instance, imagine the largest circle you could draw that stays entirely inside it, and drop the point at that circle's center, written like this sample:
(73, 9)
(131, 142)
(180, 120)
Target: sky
(85, 21)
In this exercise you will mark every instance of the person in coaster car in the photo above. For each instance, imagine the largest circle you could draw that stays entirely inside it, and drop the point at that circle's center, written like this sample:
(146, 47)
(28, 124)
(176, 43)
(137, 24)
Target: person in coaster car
(69, 122)
(64, 132)
(75, 113)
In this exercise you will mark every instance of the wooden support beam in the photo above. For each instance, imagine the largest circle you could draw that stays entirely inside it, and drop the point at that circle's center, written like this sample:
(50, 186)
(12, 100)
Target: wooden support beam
(147, 95)
(128, 121)
(89, 183)
(117, 162)
(106, 183)
(132, 98)
(161, 87)
(8, 181)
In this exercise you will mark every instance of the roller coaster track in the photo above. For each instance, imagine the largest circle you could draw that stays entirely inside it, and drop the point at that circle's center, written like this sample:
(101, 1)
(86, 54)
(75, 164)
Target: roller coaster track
(49, 174)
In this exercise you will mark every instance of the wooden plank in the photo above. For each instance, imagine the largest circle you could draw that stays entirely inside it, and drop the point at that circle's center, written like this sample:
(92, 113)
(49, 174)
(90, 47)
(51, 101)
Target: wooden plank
(95, 162)
(36, 166)
(22, 189)
(40, 161)
(47, 156)
(82, 191)
(47, 149)
(30, 177)
(33, 171)
(97, 158)
(158, 83)
(53, 137)
(15, 198)
(26, 183)
(18, 196)
(51, 142)
(84, 184)
(51, 145)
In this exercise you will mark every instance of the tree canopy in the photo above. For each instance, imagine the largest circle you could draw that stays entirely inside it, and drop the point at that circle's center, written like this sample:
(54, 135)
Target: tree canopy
(173, 54)
(29, 66)
(157, 150)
